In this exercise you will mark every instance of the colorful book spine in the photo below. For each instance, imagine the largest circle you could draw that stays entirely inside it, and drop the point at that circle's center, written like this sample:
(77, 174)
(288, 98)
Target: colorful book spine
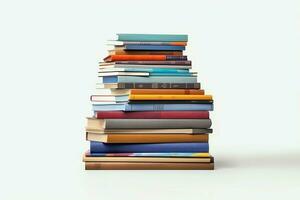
(167, 91)
(168, 97)
(154, 47)
(152, 62)
(170, 154)
(112, 58)
(151, 85)
(99, 147)
(153, 115)
(153, 37)
(150, 79)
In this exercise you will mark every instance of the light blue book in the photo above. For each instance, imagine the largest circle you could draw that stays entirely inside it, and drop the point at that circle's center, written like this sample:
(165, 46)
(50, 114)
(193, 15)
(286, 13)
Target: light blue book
(154, 47)
(152, 37)
(151, 107)
(151, 70)
(150, 79)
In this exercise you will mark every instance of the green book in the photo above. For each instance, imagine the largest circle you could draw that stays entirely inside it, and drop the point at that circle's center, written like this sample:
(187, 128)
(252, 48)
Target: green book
(152, 37)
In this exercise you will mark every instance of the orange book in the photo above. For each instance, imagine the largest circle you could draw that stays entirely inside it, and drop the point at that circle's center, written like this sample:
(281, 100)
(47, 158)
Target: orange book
(166, 91)
(146, 138)
(169, 97)
(178, 43)
(112, 58)
(132, 52)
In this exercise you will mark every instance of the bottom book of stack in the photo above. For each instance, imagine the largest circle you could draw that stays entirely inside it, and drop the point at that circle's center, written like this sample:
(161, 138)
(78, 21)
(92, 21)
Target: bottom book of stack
(148, 161)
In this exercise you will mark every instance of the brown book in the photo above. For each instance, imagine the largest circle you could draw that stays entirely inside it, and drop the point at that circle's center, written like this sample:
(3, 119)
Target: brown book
(146, 138)
(146, 159)
(132, 52)
(147, 166)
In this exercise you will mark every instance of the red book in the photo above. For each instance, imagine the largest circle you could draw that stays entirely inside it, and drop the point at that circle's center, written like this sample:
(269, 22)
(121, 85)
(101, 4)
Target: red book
(152, 115)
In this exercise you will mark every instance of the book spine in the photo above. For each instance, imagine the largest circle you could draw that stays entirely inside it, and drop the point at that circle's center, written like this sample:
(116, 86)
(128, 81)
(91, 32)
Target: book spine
(150, 79)
(157, 123)
(152, 37)
(167, 91)
(153, 115)
(174, 62)
(143, 57)
(133, 52)
(155, 43)
(147, 166)
(154, 47)
(99, 147)
(159, 85)
(168, 97)
(165, 107)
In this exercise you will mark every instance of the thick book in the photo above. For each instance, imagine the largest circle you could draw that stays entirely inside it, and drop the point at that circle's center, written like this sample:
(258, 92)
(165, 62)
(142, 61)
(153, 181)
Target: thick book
(148, 62)
(145, 138)
(169, 97)
(90, 158)
(153, 115)
(99, 147)
(152, 107)
(153, 47)
(150, 79)
(152, 37)
(168, 154)
(149, 85)
(148, 131)
(147, 123)
(147, 166)
(112, 58)
(166, 91)
(134, 52)
(122, 43)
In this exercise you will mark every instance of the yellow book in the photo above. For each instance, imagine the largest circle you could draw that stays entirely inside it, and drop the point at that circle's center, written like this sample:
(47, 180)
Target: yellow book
(169, 97)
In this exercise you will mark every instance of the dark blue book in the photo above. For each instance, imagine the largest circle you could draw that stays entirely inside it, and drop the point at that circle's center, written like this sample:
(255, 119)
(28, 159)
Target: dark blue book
(99, 147)
(154, 47)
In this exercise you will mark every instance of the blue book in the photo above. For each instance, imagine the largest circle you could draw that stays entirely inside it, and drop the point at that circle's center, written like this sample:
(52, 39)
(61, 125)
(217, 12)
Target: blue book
(150, 70)
(154, 47)
(150, 79)
(151, 107)
(99, 147)
(152, 37)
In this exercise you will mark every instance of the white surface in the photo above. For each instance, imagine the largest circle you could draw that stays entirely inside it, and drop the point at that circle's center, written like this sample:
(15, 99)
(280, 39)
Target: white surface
(247, 56)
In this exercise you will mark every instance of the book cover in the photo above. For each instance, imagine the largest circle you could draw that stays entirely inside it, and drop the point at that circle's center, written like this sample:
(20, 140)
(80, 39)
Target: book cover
(149, 70)
(148, 131)
(122, 43)
(134, 52)
(152, 85)
(152, 37)
(166, 91)
(149, 79)
(169, 97)
(148, 62)
(154, 47)
(153, 115)
(99, 147)
(111, 58)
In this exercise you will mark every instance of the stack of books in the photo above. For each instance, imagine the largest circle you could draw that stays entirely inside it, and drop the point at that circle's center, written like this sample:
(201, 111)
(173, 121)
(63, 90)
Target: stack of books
(149, 109)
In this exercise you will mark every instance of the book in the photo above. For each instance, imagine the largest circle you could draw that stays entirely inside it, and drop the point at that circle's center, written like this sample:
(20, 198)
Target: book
(102, 74)
(133, 52)
(149, 70)
(149, 79)
(149, 131)
(99, 147)
(112, 91)
(182, 67)
(167, 91)
(147, 123)
(146, 159)
(152, 85)
(108, 98)
(168, 154)
(146, 138)
(147, 166)
(152, 37)
(153, 115)
(170, 102)
(153, 47)
(148, 62)
(121, 43)
(152, 107)
(169, 97)
(111, 58)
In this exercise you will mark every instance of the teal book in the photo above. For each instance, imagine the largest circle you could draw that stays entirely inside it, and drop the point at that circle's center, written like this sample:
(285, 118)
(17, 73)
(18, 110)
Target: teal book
(150, 79)
(150, 70)
(152, 37)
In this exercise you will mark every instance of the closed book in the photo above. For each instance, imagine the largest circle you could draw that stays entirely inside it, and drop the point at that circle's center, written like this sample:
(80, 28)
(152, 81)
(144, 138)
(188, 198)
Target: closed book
(174, 101)
(152, 85)
(166, 91)
(104, 74)
(133, 52)
(111, 58)
(148, 131)
(152, 37)
(153, 115)
(147, 123)
(121, 43)
(152, 107)
(148, 62)
(147, 166)
(150, 79)
(99, 147)
(145, 138)
(168, 154)
(154, 47)
(146, 159)
(141, 67)
(149, 70)
(169, 97)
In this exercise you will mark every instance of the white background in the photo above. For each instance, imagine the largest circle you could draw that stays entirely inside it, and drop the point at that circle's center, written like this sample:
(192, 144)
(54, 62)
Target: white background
(247, 56)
